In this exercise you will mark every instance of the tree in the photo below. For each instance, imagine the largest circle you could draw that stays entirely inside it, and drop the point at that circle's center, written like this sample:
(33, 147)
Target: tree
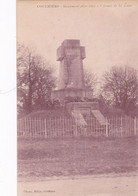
(34, 79)
(120, 86)
(24, 79)
(43, 85)
(90, 80)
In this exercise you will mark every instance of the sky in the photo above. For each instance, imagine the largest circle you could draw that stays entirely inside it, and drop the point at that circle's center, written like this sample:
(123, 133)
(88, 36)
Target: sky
(109, 34)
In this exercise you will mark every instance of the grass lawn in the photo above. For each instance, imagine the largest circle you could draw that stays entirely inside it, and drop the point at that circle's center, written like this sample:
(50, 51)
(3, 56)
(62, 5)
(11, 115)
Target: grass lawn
(40, 158)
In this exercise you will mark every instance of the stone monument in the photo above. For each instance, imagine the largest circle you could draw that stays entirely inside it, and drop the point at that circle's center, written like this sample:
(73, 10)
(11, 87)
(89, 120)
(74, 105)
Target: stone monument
(71, 82)
(71, 76)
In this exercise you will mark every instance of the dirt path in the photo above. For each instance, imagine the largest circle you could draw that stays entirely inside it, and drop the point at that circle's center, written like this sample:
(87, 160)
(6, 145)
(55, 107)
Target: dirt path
(88, 186)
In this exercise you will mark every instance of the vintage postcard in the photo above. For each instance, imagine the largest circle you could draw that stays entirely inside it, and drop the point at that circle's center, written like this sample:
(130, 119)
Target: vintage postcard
(77, 105)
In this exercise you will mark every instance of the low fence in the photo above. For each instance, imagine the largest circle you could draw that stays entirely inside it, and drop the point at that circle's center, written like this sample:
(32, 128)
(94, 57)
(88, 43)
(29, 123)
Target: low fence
(64, 127)
(123, 126)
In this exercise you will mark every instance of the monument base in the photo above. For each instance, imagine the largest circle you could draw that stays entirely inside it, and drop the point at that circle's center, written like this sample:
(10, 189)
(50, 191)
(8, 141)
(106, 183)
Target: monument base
(82, 110)
(63, 93)
(83, 107)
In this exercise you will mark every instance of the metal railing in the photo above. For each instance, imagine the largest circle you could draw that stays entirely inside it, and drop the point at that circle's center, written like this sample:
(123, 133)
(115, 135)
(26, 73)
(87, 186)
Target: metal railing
(68, 127)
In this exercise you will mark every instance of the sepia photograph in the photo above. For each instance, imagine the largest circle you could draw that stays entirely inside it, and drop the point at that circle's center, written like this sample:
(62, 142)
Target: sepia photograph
(77, 98)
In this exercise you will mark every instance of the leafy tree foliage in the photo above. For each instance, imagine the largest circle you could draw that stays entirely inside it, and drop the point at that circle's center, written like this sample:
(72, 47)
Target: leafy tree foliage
(34, 80)
(120, 86)
(90, 80)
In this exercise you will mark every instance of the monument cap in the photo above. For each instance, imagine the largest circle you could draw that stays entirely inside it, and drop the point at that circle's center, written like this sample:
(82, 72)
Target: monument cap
(71, 43)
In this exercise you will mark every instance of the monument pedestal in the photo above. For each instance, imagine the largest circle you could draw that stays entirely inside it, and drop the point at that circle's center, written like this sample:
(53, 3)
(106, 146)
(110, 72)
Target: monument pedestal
(83, 107)
(63, 93)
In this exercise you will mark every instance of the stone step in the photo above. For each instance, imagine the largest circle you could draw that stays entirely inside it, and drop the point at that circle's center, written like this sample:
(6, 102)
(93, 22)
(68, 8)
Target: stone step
(78, 117)
(99, 116)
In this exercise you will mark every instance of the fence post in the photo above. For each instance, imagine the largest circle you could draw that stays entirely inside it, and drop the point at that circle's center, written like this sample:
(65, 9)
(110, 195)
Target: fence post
(45, 127)
(135, 126)
(25, 127)
(76, 130)
(121, 127)
(106, 127)
(30, 130)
